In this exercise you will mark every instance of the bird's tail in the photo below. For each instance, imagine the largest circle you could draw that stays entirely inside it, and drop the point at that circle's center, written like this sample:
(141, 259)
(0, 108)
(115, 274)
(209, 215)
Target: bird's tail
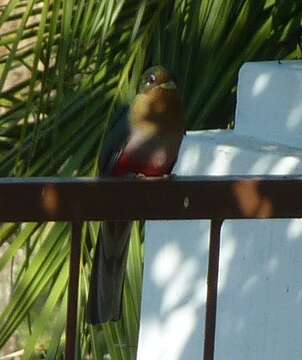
(108, 272)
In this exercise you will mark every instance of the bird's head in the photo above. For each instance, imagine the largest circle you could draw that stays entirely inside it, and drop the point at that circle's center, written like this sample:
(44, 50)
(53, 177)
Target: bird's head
(158, 102)
(156, 78)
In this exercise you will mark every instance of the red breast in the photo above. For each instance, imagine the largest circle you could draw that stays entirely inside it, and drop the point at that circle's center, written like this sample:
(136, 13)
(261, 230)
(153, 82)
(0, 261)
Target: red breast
(156, 165)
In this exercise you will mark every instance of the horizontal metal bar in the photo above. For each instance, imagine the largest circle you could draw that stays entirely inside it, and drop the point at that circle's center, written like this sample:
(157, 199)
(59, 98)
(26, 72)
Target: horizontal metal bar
(79, 199)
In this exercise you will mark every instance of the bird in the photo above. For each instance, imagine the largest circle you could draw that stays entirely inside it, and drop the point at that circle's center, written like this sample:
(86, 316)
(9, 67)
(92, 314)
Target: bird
(144, 142)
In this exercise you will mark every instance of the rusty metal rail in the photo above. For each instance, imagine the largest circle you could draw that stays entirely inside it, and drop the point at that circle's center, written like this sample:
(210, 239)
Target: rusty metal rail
(216, 198)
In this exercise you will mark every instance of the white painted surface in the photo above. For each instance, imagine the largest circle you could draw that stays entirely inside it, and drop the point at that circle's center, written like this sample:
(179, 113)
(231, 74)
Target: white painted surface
(269, 103)
(222, 152)
(260, 292)
(174, 292)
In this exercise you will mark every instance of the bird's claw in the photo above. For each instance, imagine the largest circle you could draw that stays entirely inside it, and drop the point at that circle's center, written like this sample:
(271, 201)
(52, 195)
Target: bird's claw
(143, 176)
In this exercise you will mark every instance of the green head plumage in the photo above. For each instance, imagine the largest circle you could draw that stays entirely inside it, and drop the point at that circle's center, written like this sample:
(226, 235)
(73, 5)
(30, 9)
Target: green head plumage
(158, 104)
(156, 76)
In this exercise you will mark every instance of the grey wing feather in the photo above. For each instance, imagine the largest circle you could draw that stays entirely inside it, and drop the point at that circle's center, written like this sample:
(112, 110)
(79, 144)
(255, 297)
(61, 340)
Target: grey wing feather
(114, 142)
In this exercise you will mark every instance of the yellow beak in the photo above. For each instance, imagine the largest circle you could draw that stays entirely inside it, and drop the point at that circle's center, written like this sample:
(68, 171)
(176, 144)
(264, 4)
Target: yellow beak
(169, 85)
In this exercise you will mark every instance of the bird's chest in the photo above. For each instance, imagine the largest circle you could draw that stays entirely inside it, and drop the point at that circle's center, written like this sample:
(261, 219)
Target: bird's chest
(149, 158)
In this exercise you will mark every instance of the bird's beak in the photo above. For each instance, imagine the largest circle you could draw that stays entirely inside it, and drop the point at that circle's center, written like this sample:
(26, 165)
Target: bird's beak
(169, 85)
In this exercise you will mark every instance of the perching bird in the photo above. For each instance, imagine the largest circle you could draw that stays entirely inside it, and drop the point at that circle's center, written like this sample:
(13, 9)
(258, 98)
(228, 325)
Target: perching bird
(145, 141)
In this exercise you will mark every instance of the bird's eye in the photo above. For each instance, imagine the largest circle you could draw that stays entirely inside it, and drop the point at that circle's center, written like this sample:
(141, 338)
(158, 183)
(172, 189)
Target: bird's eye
(150, 80)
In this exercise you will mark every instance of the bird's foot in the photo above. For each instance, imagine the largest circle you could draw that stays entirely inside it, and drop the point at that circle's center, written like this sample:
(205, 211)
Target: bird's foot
(133, 175)
(169, 176)
(161, 177)
(145, 177)
(141, 176)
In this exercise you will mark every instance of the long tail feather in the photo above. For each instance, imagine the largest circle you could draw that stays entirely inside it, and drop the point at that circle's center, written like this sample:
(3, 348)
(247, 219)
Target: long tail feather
(108, 272)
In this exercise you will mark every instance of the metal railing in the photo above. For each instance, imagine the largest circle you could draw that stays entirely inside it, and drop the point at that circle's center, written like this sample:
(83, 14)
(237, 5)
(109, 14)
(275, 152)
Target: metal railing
(216, 198)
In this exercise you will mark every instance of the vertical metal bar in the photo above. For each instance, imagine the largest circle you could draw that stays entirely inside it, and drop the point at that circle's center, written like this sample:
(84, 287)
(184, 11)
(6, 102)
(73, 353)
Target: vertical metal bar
(211, 306)
(73, 289)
